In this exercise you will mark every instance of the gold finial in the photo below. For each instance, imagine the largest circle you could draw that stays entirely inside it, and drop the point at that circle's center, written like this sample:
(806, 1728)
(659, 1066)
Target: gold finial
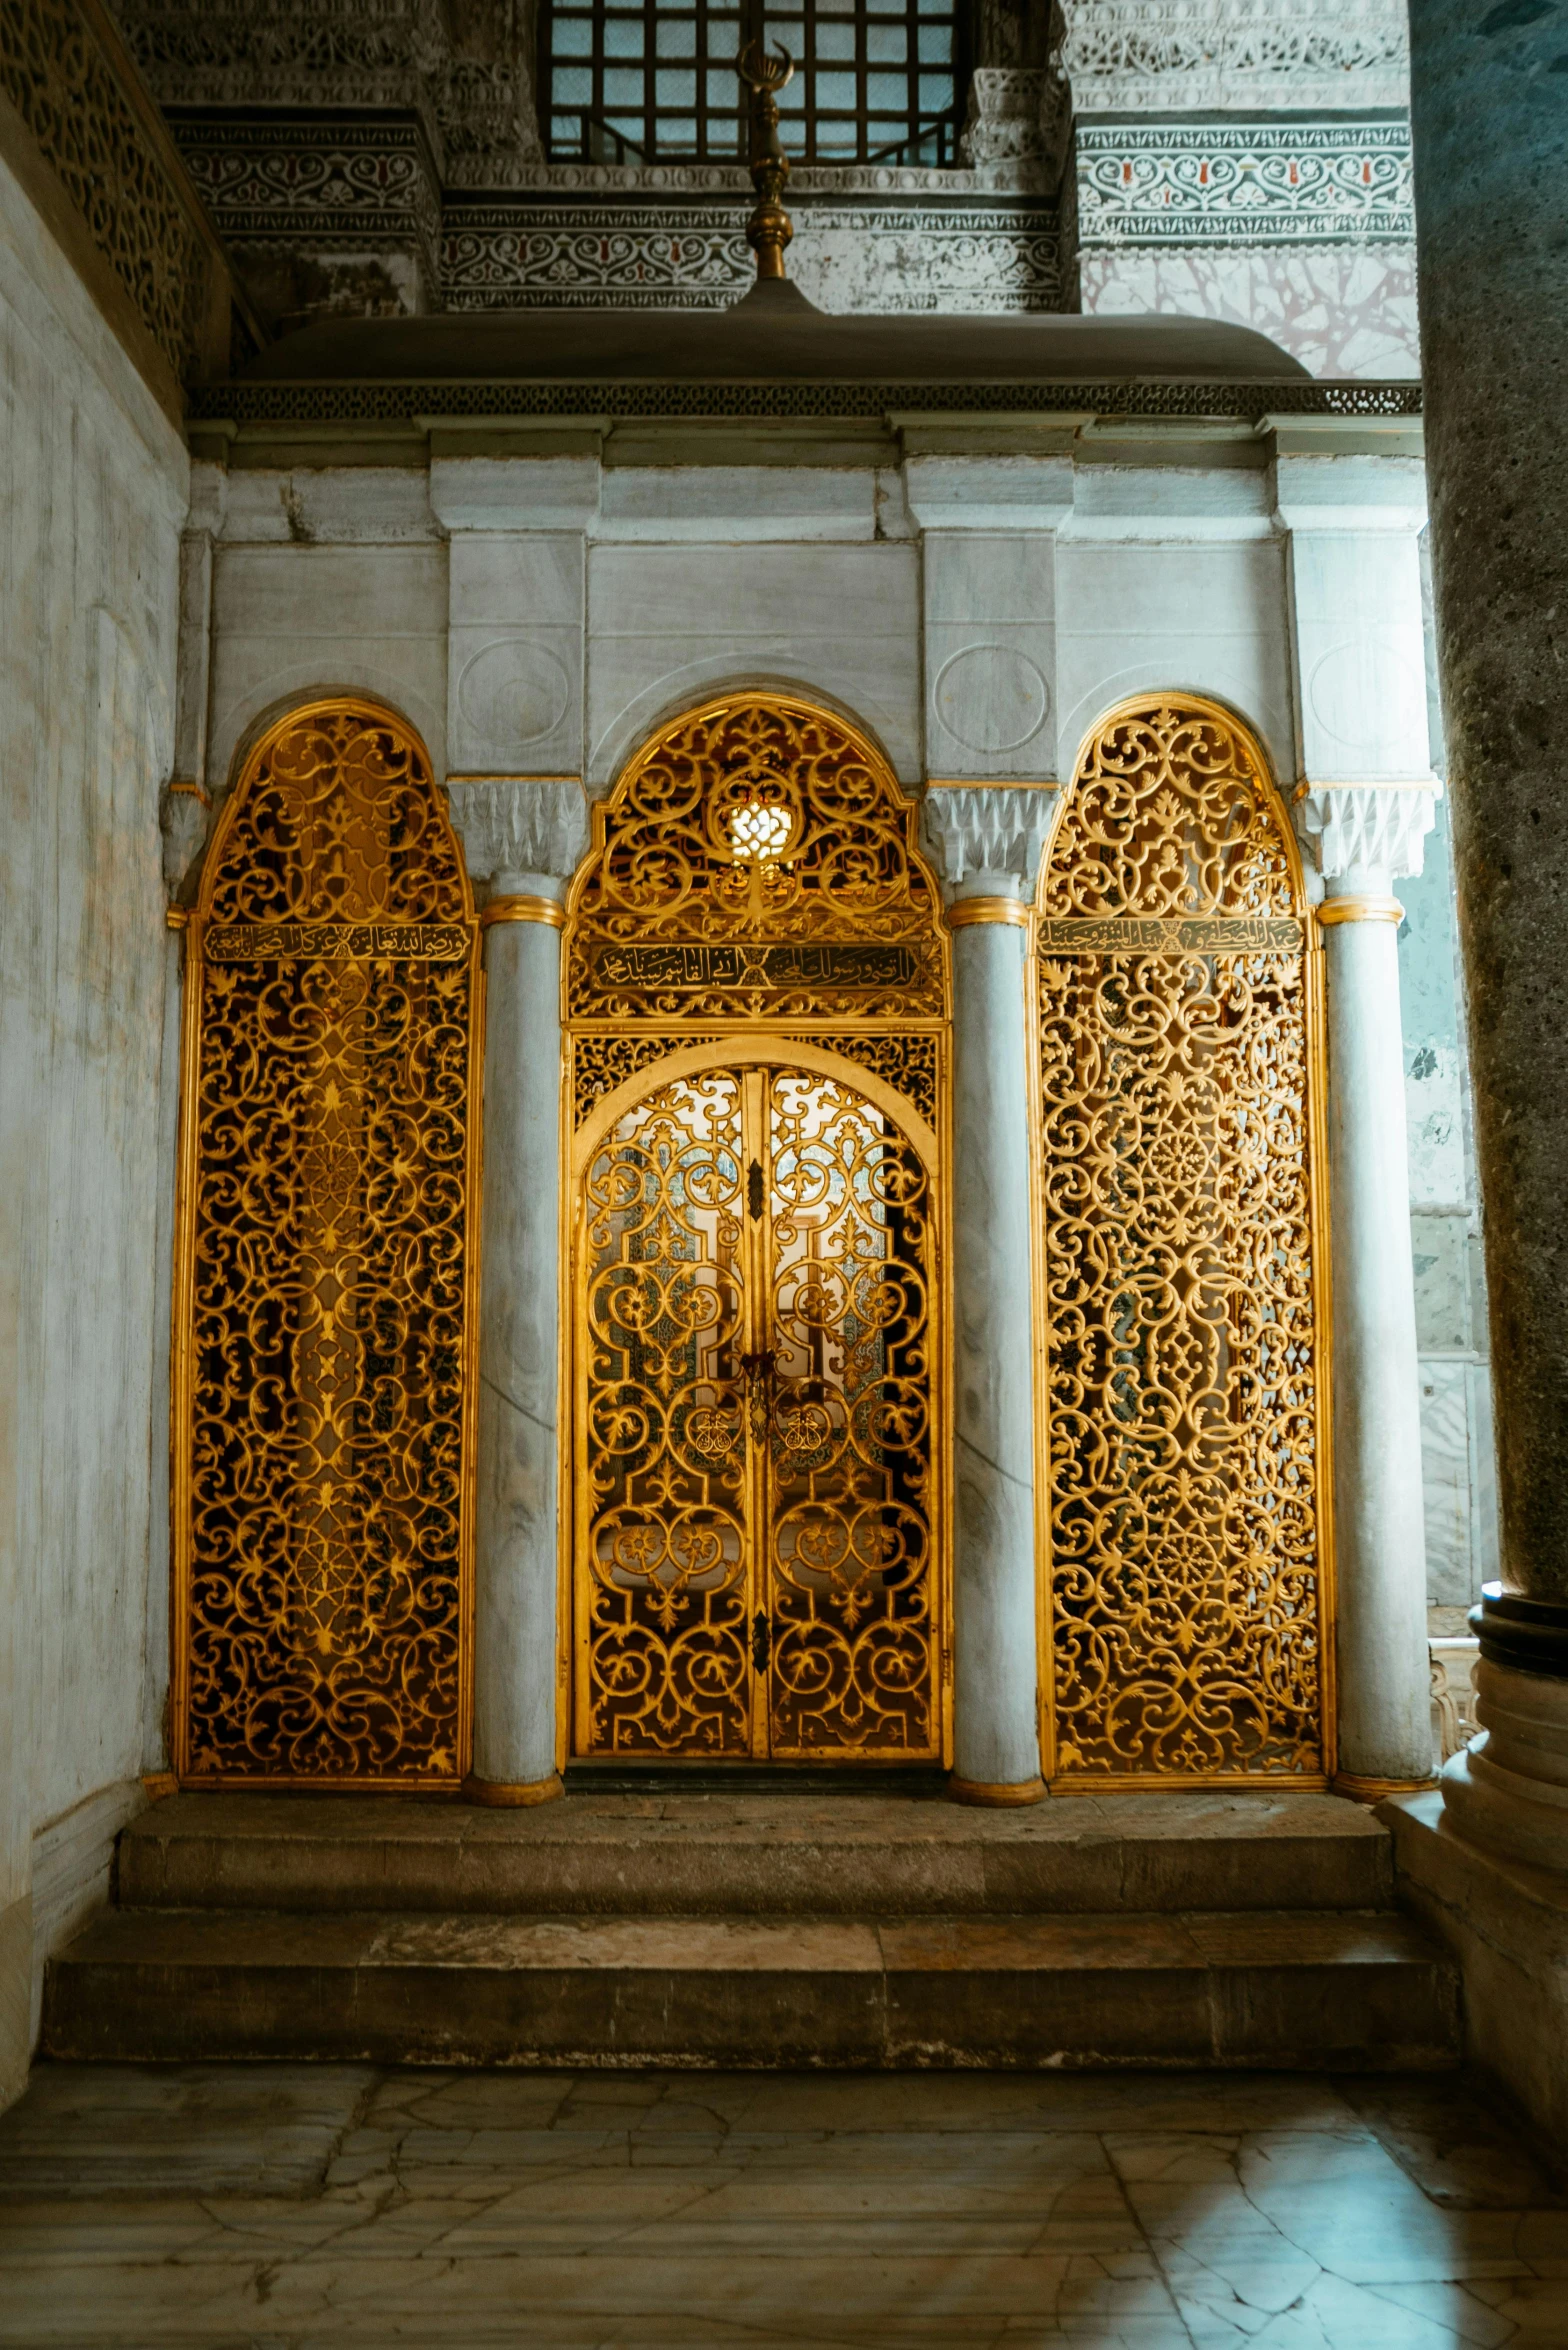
(770, 228)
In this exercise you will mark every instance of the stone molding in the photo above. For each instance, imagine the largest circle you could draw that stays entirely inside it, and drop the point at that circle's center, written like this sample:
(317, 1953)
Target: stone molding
(1372, 825)
(1243, 183)
(989, 828)
(519, 824)
(1148, 56)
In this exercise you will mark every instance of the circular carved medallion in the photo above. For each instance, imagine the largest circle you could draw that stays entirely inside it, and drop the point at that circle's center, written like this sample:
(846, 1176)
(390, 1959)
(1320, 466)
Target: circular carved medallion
(991, 698)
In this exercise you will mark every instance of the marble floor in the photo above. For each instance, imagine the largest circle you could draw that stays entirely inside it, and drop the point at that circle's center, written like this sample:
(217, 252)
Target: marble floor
(291, 2207)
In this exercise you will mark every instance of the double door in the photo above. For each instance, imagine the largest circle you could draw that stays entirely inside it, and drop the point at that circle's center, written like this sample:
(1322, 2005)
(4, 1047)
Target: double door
(753, 1454)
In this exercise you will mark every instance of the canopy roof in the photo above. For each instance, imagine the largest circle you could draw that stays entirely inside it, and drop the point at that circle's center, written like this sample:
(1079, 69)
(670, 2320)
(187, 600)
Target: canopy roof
(774, 336)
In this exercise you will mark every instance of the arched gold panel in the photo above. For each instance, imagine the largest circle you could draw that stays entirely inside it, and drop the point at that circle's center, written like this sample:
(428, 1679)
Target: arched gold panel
(756, 985)
(324, 1309)
(1184, 1308)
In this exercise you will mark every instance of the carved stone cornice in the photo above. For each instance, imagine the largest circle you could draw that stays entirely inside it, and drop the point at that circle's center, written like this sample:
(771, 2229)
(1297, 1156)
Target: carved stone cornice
(519, 824)
(989, 828)
(1373, 826)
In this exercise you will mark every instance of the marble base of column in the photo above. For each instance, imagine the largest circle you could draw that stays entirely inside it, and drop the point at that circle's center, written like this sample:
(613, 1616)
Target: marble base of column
(991, 1793)
(1508, 1789)
(513, 1795)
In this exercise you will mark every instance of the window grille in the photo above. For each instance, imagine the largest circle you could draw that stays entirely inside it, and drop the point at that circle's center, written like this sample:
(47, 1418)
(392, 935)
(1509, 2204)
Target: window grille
(627, 81)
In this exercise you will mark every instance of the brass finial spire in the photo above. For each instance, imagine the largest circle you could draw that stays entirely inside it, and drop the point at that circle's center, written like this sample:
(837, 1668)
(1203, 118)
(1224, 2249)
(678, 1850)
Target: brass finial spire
(770, 228)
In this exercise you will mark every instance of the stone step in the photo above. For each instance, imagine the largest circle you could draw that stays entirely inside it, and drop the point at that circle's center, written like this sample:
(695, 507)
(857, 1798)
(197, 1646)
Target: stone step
(750, 1855)
(1300, 1990)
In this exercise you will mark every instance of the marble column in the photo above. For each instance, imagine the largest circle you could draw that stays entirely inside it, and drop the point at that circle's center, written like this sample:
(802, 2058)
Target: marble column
(1489, 108)
(522, 838)
(183, 818)
(1363, 840)
(987, 843)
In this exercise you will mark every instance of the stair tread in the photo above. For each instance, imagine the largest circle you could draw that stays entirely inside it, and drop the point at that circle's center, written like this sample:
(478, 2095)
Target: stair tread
(1159, 1940)
(589, 1818)
(762, 1855)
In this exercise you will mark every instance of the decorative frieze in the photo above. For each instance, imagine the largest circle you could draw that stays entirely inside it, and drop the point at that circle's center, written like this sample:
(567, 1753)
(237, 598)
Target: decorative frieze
(369, 402)
(1243, 183)
(508, 256)
(1186, 56)
(516, 255)
(342, 179)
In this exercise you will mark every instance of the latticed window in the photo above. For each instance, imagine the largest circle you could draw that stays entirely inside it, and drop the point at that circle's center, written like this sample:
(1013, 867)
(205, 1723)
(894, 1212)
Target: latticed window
(876, 81)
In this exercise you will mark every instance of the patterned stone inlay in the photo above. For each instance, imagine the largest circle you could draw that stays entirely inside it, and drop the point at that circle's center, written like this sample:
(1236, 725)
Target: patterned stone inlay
(1243, 183)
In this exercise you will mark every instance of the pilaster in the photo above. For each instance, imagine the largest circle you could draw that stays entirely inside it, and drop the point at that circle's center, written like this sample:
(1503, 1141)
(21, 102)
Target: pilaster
(988, 523)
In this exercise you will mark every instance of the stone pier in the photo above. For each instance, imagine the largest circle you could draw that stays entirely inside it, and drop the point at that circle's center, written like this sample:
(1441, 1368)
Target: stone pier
(1489, 1863)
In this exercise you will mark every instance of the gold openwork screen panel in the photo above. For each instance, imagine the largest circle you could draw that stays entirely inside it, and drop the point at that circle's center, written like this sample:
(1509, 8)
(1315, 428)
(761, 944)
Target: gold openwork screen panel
(756, 981)
(322, 1370)
(1184, 1402)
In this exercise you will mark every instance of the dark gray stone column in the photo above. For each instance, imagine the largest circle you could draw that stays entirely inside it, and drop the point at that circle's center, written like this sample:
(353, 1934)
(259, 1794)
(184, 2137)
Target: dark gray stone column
(1489, 95)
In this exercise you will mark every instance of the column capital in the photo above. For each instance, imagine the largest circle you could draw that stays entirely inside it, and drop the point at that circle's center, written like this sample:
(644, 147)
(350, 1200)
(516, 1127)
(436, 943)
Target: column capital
(511, 825)
(1370, 827)
(994, 832)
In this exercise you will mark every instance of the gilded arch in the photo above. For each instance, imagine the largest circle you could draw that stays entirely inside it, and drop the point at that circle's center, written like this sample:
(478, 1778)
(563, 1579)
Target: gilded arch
(1183, 1270)
(756, 998)
(325, 1271)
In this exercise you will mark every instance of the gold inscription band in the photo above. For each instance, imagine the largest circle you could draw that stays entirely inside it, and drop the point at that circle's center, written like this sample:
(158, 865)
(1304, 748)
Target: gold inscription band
(511, 1795)
(523, 909)
(1335, 910)
(967, 910)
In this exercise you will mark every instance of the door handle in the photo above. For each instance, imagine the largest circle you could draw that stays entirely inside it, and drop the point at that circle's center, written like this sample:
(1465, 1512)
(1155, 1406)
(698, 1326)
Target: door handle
(761, 1641)
(758, 1372)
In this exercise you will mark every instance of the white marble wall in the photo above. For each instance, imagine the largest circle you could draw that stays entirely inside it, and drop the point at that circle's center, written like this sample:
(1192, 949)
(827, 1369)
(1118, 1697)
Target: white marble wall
(93, 482)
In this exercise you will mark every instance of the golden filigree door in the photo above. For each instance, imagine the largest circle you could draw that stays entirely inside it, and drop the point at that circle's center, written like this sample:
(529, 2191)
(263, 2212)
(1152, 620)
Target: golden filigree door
(1184, 1406)
(756, 1563)
(323, 1312)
